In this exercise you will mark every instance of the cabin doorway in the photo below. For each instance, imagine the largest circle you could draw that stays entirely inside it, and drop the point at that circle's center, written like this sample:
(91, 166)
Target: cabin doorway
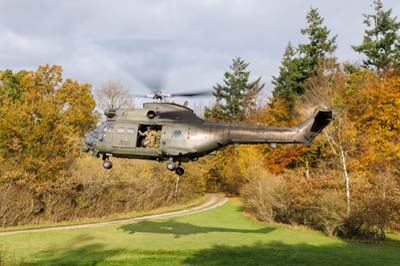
(149, 136)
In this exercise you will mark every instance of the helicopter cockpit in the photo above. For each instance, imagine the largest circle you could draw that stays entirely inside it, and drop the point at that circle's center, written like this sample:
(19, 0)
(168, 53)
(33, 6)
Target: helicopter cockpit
(97, 134)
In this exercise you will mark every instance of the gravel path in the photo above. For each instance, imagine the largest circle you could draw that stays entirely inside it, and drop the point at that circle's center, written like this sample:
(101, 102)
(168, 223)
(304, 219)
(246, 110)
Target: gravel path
(212, 203)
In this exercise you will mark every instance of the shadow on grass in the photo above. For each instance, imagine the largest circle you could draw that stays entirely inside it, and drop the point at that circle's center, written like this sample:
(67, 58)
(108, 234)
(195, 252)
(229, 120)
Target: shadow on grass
(181, 229)
(80, 253)
(74, 252)
(278, 253)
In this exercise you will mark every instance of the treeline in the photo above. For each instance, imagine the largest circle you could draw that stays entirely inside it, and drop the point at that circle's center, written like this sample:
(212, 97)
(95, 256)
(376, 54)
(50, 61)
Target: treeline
(348, 181)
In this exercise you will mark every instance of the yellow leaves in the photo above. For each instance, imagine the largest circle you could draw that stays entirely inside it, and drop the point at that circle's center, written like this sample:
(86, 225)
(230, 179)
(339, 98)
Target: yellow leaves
(37, 133)
(279, 114)
(77, 105)
(250, 161)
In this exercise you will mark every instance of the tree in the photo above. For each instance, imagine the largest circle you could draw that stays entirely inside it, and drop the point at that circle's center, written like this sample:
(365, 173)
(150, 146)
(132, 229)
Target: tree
(236, 97)
(235, 102)
(77, 104)
(39, 127)
(300, 64)
(378, 120)
(114, 95)
(289, 83)
(10, 85)
(326, 89)
(381, 43)
(319, 44)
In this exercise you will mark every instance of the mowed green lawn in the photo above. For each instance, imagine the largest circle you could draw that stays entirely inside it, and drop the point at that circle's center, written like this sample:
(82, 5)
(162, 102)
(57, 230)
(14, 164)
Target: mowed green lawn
(222, 236)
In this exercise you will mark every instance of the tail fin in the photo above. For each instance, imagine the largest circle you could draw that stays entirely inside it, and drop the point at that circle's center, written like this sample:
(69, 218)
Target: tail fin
(313, 126)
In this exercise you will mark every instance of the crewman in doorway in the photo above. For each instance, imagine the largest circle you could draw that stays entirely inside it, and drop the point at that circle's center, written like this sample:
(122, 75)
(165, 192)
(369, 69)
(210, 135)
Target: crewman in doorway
(157, 139)
(151, 138)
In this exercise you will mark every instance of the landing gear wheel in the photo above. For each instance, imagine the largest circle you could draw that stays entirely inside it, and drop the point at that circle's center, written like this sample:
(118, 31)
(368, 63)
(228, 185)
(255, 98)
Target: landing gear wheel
(107, 164)
(171, 166)
(179, 171)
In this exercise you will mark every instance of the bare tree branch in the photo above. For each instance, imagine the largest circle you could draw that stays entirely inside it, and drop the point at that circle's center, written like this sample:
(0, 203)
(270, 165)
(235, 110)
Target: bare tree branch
(114, 95)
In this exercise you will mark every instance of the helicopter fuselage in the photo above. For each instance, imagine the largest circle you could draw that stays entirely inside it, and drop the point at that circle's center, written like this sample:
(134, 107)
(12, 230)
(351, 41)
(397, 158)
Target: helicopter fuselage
(183, 136)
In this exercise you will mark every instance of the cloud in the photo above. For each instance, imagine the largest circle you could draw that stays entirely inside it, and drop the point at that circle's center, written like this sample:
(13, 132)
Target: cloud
(20, 49)
(178, 44)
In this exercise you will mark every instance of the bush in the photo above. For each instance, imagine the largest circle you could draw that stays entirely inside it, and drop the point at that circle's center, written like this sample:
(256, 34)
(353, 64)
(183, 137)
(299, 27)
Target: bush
(292, 199)
(264, 197)
(375, 208)
(90, 191)
(330, 212)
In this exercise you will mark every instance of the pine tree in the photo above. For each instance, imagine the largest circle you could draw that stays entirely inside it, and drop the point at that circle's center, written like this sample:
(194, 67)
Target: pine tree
(381, 43)
(236, 97)
(290, 80)
(319, 44)
(300, 64)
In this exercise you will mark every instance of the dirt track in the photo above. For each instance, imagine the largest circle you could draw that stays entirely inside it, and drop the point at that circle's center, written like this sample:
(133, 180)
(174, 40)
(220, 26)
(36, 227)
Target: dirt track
(213, 202)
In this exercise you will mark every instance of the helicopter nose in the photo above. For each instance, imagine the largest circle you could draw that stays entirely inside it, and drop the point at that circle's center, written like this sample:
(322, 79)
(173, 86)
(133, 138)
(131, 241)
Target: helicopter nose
(89, 142)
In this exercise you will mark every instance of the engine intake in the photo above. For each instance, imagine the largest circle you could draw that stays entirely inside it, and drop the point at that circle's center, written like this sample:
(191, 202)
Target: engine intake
(110, 113)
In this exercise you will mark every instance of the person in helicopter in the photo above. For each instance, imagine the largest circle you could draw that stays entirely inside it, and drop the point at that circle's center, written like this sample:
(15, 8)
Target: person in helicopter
(151, 138)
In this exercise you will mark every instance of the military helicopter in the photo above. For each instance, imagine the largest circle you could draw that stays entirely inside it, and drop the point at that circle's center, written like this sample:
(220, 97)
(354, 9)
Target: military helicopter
(179, 135)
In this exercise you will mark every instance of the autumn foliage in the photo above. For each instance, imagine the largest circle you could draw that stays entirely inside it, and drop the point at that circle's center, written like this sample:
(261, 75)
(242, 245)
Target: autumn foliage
(42, 117)
(44, 176)
(307, 185)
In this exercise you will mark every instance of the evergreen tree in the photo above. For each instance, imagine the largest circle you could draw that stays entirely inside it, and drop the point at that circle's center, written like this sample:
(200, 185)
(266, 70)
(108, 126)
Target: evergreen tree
(236, 97)
(300, 64)
(319, 42)
(381, 43)
(290, 80)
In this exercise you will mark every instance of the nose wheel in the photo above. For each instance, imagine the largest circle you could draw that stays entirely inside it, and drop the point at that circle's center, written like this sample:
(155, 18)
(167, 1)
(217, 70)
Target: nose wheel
(171, 166)
(107, 164)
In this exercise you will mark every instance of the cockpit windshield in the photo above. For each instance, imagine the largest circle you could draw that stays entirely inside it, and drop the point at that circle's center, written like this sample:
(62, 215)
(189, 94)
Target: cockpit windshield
(101, 128)
(99, 133)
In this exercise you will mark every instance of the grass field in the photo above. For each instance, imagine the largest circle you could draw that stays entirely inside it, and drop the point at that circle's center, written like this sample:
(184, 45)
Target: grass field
(222, 236)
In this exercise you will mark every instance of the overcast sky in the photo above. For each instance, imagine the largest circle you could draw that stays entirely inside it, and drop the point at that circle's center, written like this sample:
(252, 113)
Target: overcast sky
(186, 44)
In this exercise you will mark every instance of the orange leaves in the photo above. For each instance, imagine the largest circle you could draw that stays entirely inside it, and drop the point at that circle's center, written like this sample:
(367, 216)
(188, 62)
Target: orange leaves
(376, 110)
(281, 158)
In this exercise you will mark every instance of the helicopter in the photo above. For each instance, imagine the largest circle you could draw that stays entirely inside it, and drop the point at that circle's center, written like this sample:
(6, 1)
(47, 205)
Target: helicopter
(179, 135)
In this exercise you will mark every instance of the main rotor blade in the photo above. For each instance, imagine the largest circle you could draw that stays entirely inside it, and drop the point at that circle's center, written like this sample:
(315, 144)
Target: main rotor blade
(141, 95)
(192, 94)
(160, 95)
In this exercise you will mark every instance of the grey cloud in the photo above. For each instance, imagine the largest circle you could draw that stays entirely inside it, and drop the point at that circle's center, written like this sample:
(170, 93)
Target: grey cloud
(179, 44)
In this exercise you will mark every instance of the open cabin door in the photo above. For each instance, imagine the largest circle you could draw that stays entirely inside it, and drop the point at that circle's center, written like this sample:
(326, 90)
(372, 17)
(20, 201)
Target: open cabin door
(149, 136)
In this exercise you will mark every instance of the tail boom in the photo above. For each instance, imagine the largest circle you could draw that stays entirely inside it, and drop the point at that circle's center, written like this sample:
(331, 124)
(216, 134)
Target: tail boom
(303, 133)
